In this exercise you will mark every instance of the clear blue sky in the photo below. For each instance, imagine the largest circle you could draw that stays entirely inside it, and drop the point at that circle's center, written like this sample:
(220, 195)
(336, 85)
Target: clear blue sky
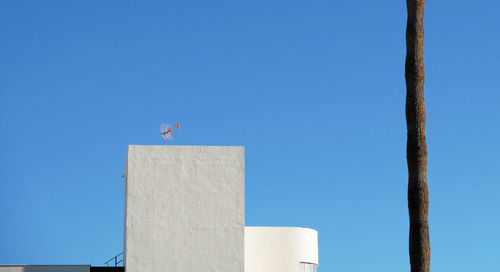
(314, 90)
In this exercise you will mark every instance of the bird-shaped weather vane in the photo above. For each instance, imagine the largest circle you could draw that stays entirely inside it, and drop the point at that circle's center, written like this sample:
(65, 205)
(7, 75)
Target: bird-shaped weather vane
(166, 132)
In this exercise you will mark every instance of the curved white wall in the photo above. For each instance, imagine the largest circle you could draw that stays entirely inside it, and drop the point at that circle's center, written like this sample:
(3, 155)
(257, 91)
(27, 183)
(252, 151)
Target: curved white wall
(279, 249)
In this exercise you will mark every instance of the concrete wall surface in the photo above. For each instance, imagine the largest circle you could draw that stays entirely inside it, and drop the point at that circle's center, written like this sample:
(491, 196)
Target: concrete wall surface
(279, 249)
(184, 209)
(45, 268)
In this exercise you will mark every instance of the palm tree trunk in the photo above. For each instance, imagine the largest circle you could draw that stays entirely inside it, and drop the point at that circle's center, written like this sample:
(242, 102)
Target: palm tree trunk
(416, 149)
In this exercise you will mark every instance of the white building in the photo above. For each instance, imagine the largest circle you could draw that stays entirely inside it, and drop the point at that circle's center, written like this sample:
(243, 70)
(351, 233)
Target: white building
(185, 211)
(280, 249)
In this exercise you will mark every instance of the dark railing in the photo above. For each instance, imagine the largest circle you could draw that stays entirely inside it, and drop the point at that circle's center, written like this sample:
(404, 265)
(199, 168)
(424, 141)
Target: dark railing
(116, 260)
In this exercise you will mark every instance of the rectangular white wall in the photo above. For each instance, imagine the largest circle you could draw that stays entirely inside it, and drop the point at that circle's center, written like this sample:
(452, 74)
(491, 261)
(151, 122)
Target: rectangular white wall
(184, 209)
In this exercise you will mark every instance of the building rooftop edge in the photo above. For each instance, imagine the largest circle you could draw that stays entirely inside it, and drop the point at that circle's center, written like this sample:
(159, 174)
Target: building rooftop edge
(188, 145)
(277, 227)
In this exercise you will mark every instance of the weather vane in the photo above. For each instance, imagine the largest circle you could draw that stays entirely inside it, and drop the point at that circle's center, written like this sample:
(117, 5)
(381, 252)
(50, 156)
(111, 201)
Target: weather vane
(166, 131)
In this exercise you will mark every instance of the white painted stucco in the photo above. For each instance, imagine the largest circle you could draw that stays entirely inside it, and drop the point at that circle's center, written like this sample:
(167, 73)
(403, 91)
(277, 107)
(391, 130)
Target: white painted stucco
(279, 249)
(12, 268)
(184, 209)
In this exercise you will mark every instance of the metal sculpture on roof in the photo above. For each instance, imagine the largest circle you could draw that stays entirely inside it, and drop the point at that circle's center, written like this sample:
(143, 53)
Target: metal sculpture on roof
(166, 131)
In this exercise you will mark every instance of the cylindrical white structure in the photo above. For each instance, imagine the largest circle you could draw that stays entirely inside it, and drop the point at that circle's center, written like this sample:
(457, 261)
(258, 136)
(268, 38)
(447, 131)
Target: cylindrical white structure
(280, 249)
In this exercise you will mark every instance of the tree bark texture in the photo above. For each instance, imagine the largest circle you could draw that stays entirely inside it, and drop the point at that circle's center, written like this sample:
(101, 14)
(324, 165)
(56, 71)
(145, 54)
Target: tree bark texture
(416, 149)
